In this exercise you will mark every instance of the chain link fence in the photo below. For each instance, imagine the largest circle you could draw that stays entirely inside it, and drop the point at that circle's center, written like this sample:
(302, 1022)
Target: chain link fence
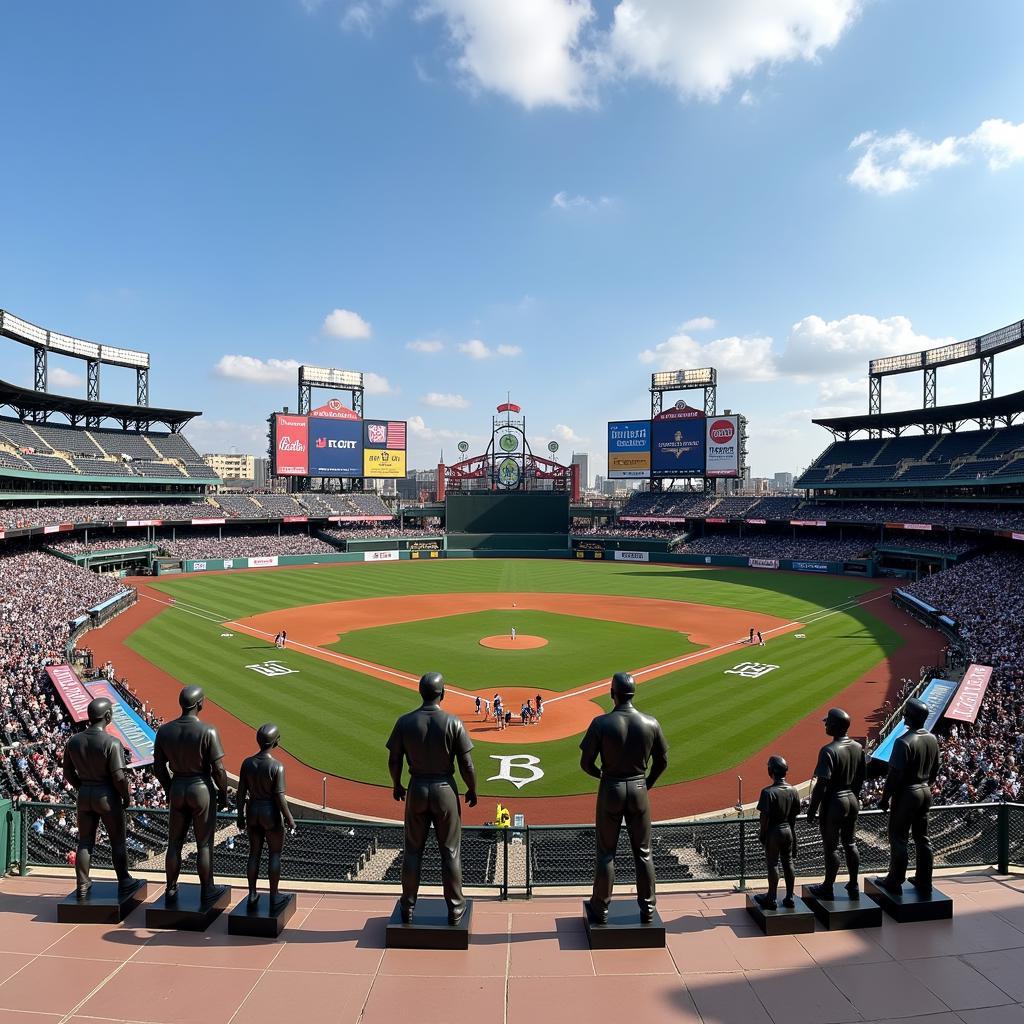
(517, 861)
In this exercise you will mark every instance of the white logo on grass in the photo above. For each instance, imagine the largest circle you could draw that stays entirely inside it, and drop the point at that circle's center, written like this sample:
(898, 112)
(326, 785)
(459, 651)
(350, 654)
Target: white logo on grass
(273, 668)
(527, 762)
(750, 669)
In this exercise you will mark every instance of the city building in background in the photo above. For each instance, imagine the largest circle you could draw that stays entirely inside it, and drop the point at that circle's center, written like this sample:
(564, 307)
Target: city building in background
(582, 459)
(233, 466)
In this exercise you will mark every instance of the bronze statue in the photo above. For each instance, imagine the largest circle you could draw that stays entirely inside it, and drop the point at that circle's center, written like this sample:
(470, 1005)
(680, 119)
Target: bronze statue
(261, 781)
(625, 740)
(432, 741)
(188, 762)
(839, 779)
(94, 766)
(913, 768)
(779, 805)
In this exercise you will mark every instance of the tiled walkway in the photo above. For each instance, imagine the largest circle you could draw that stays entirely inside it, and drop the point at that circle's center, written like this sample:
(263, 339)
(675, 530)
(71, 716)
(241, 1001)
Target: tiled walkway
(528, 963)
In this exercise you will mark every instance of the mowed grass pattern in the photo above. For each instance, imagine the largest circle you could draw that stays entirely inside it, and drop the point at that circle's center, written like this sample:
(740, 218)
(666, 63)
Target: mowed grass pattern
(337, 720)
(578, 650)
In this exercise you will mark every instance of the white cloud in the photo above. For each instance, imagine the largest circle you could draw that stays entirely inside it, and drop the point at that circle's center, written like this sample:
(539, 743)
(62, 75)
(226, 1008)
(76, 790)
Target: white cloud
(444, 401)
(208, 435)
(700, 49)
(699, 323)
(476, 349)
(270, 371)
(528, 50)
(419, 428)
(428, 347)
(564, 433)
(565, 201)
(60, 378)
(375, 384)
(895, 163)
(749, 359)
(343, 323)
(818, 346)
(748, 99)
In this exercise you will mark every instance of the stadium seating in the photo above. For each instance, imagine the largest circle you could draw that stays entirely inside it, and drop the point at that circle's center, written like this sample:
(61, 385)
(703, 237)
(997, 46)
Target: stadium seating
(174, 446)
(124, 442)
(21, 435)
(48, 464)
(164, 469)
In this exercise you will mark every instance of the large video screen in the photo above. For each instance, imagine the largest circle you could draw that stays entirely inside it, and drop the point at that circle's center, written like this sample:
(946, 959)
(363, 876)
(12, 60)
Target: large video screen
(335, 447)
(678, 443)
(336, 443)
(629, 450)
(723, 446)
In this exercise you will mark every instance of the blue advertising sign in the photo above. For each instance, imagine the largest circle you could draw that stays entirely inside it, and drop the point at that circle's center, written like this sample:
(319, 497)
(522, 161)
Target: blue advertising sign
(135, 735)
(629, 450)
(335, 447)
(937, 695)
(677, 446)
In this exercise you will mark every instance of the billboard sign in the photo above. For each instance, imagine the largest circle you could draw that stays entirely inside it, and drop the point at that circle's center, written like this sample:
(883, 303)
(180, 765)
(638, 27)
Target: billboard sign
(937, 695)
(381, 464)
(723, 446)
(632, 556)
(71, 690)
(334, 410)
(380, 556)
(629, 450)
(291, 445)
(677, 442)
(966, 701)
(335, 447)
(384, 449)
(135, 735)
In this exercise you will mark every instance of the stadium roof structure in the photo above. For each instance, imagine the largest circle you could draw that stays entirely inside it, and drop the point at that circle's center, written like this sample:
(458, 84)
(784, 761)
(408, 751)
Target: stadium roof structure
(1005, 410)
(37, 406)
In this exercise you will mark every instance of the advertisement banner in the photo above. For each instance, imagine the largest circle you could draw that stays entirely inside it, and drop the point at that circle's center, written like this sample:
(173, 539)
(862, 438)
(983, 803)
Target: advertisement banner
(334, 409)
(295, 519)
(135, 736)
(632, 556)
(388, 434)
(629, 450)
(756, 522)
(71, 690)
(723, 446)
(677, 443)
(909, 526)
(1013, 536)
(966, 701)
(381, 464)
(715, 519)
(207, 522)
(199, 567)
(291, 445)
(936, 695)
(145, 522)
(763, 563)
(810, 566)
(807, 522)
(335, 447)
(380, 556)
(263, 562)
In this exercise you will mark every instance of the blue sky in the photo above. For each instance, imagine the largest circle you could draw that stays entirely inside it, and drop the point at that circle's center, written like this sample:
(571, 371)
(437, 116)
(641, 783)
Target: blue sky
(552, 198)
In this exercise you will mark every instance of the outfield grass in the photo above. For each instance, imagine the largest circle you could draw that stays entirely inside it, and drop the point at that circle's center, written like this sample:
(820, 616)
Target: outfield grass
(579, 650)
(337, 720)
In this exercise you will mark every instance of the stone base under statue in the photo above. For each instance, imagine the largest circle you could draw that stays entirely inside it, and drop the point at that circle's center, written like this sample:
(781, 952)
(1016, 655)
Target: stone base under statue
(105, 904)
(842, 912)
(262, 921)
(796, 920)
(188, 912)
(624, 929)
(429, 928)
(910, 905)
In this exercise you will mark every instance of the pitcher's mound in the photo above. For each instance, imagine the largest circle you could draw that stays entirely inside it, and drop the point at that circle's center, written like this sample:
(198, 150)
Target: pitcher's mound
(506, 643)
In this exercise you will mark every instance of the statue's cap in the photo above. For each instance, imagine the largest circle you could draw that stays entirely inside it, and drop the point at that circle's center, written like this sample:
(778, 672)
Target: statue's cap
(431, 685)
(916, 712)
(98, 709)
(623, 684)
(190, 697)
(267, 735)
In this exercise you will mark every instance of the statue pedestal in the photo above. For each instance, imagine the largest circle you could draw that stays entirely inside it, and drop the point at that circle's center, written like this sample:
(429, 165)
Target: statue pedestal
(841, 912)
(262, 921)
(910, 905)
(105, 904)
(798, 920)
(624, 929)
(429, 928)
(189, 912)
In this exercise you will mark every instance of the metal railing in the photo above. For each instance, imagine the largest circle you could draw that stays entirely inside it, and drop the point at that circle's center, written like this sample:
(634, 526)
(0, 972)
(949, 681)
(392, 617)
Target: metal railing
(515, 862)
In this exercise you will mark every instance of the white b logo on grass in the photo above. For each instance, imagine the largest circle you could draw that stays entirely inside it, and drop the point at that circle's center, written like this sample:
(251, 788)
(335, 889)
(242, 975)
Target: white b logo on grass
(525, 762)
(750, 669)
(273, 668)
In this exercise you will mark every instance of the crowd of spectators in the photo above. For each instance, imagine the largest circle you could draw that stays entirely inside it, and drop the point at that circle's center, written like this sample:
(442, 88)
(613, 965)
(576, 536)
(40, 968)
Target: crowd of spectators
(655, 531)
(378, 532)
(964, 516)
(251, 544)
(778, 545)
(39, 596)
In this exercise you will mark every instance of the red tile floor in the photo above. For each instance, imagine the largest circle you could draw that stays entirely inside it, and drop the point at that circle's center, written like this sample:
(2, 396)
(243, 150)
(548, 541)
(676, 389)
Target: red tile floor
(528, 963)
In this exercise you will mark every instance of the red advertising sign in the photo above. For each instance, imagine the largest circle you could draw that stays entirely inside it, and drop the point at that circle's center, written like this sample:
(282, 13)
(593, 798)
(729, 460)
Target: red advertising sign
(71, 690)
(966, 701)
(709, 519)
(291, 444)
(295, 519)
(208, 522)
(333, 410)
(145, 522)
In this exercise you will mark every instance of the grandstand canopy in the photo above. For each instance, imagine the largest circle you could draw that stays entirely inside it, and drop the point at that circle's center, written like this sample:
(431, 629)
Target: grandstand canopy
(38, 405)
(1004, 409)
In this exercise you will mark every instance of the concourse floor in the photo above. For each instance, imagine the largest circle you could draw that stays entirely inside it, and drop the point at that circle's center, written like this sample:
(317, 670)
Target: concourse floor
(528, 963)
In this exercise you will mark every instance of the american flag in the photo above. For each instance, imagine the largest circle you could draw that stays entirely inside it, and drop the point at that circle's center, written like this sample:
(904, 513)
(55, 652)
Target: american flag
(396, 435)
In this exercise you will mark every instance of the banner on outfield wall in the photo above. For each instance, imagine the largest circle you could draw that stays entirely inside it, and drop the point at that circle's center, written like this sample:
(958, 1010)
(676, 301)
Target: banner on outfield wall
(632, 556)
(809, 566)
(966, 702)
(135, 736)
(937, 695)
(380, 556)
(71, 690)
(629, 450)
(723, 446)
(763, 563)
(263, 562)
(291, 445)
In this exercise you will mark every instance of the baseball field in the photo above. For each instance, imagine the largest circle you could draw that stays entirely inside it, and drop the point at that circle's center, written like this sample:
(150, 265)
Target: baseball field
(360, 636)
